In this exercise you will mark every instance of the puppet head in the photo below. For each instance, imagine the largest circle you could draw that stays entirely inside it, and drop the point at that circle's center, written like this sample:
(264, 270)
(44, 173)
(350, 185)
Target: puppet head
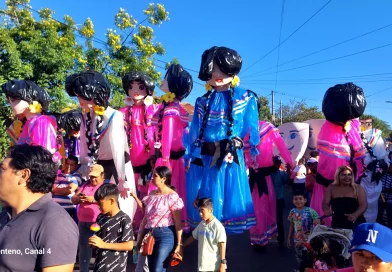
(219, 67)
(177, 83)
(296, 137)
(137, 86)
(25, 95)
(70, 121)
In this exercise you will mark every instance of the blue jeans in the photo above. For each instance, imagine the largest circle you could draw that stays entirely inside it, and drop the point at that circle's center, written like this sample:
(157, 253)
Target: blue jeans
(159, 260)
(382, 206)
(85, 251)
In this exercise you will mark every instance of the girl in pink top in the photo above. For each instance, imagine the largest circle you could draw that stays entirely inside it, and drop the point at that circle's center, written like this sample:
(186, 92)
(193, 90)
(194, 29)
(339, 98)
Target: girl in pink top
(163, 217)
(88, 212)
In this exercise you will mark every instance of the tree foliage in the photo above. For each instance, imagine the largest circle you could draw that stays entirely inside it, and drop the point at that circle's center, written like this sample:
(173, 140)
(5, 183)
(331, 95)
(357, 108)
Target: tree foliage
(298, 111)
(36, 46)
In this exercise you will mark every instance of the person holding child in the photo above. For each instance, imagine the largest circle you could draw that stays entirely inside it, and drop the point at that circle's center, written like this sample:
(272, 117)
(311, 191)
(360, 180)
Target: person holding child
(211, 237)
(115, 235)
(162, 216)
(301, 220)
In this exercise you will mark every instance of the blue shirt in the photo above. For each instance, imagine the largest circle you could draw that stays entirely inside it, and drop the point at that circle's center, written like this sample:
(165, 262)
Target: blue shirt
(279, 179)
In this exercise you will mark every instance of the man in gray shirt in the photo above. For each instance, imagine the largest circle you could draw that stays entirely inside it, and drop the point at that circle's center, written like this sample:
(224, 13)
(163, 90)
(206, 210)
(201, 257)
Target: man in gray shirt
(36, 234)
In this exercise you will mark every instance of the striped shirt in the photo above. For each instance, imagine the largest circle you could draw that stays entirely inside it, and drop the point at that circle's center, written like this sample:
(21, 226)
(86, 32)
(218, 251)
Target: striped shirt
(387, 184)
(63, 181)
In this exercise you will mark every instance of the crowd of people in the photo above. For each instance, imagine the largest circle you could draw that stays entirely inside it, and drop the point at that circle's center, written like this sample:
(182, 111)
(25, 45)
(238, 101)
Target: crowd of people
(113, 183)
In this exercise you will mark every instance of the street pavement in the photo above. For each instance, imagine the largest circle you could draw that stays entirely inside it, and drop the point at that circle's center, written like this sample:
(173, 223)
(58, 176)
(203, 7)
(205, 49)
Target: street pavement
(241, 256)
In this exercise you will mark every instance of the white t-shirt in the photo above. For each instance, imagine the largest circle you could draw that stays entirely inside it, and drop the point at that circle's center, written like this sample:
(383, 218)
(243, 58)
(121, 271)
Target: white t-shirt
(209, 236)
(302, 174)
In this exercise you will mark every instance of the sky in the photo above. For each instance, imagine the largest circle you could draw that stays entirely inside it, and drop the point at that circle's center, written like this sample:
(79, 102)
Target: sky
(253, 28)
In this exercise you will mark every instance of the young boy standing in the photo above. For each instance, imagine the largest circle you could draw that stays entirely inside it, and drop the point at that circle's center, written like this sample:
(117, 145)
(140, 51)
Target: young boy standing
(211, 236)
(115, 237)
(301, 220)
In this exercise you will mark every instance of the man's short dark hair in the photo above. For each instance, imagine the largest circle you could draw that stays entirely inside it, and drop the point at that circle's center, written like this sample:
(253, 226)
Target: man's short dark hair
(106, 190)
(74, 159)
(40, 163)
(205, 203)
(314, 153)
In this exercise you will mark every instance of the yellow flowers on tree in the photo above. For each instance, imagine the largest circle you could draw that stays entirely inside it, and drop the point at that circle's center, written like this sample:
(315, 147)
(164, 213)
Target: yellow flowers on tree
(43, 47)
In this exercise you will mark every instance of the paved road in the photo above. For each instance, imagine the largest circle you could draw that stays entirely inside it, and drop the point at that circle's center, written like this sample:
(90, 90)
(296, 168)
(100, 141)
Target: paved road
(241, 256)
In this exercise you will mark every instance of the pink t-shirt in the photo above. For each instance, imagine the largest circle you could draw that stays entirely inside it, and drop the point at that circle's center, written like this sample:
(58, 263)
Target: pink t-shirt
(88, 212)
(158, 206)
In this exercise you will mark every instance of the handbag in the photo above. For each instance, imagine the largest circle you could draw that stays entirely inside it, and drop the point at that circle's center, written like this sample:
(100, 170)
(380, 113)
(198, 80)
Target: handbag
(148, 242)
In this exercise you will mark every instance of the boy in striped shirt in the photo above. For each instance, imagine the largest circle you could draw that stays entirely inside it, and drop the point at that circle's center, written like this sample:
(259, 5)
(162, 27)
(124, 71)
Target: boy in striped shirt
(65, 186)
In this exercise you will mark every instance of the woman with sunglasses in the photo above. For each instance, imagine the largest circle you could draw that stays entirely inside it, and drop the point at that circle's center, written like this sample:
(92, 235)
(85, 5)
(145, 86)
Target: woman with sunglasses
(345, 200)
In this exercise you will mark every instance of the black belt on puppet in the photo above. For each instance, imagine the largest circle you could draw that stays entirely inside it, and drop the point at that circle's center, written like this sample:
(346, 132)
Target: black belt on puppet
(111, 162)
(174, 155)
(219, 150)
(258, 176)
(198, 162)
(323, 181)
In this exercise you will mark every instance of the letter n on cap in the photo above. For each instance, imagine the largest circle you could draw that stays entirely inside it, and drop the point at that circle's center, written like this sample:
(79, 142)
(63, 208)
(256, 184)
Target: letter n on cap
(372, 236)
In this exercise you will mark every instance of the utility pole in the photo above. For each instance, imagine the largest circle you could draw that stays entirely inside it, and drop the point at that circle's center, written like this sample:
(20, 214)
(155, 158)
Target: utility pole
(281, 113)
(273, 106)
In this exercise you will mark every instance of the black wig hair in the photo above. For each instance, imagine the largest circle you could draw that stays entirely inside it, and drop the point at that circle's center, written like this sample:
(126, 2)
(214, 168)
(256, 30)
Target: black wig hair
(70, 120)
(138, 76)
(179, 81)
(343, 102)
(89, 85)
(228, 61)
(28, 91)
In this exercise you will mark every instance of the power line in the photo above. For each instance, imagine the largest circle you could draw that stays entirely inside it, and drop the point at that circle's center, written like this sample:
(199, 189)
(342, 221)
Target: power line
(329, 60)
(295, 31)
(319, 83)
(280, 35)
(321, 50)
(379, 92)
(315, 79)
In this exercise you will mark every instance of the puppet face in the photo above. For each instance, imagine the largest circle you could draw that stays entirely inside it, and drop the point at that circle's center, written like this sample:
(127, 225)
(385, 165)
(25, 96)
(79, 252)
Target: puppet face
(164, 86)
(137, 91)
(219, 78)
(18, 106)
(296, 137)
(314, 130)
(85, 104)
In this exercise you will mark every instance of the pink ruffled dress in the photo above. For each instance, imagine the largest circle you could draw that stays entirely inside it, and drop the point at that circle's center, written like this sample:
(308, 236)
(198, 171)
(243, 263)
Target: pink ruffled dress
(41, 130)
(335, 152)
(265, 204)
(137, 119)
(174, 121)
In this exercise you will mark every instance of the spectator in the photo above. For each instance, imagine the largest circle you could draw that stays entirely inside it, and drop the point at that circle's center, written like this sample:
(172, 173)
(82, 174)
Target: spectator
(87, 213)
(299, 175)
(38, 233)
(115, 237)
(385, 203)
(162, 217)
(279, 179)
(310, 179)
(315, 154)
(211, 237)
(301, 224)
(370, 248)
(345, 200)
(65, 186)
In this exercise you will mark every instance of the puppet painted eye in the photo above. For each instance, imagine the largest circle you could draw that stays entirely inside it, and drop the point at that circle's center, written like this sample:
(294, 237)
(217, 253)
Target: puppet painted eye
(142, 87)
(293, 135)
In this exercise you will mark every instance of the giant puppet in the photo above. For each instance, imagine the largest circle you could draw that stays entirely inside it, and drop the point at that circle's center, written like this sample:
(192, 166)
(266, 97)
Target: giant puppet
(29, 104)
(296, 137)
(222, 118)
(339, 141)
(376, 163)
(261, 183)
(139, 88)
(102, 135)
(170, 120)
(70, 122)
